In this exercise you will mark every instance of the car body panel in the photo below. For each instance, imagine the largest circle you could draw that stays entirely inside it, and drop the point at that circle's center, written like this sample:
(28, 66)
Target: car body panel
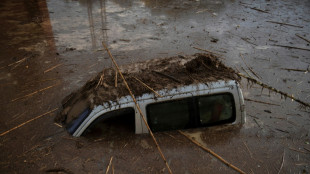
(200, 89)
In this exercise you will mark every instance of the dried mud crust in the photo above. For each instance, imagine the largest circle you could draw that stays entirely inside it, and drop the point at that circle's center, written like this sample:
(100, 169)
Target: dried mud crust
(164, 73)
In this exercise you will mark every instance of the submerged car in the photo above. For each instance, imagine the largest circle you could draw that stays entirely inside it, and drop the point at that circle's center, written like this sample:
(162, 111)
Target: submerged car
(191, 92)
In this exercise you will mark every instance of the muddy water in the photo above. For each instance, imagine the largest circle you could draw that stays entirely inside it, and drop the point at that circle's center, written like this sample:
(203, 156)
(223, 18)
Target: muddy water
(50, 48)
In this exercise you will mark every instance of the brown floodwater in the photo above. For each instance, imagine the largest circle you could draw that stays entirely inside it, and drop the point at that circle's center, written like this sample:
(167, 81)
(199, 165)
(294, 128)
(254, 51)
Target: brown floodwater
(50, 48)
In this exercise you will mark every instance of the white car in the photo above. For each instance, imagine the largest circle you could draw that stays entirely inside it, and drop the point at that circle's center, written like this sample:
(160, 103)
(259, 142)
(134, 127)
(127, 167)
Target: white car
(185, 107)
(194, 105)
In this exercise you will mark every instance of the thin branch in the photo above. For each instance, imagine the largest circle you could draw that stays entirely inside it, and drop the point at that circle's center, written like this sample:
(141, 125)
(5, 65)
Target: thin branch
(106, 172)
(212, 153)
(208, 51)
(298, 70)
(290, 47)
(302, 38)
(138, 107)
(167, 76)
(147, 87)
(250, 67)
(50, 69)
(282, 162)
(273, 89)
(28, 95)
(115, 78)
(281, 23)
(27, 122)
(247, 99)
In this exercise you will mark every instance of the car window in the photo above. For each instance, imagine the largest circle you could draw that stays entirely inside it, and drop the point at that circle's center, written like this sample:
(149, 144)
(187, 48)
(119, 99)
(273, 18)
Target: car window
(112, 123)
(216, 109)
(169, 115)
(191, 112)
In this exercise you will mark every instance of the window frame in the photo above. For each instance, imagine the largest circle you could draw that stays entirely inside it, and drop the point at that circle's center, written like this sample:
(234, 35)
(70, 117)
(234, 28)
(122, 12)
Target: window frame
(194, 116)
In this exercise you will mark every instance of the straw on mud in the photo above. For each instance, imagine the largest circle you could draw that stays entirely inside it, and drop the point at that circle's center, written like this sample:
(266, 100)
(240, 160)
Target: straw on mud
(250, 67)
(27, 122)
(19, 61)
(108, 168)
(247, 99)
(273, 89)
(116, 78)
(167, 76)
(28, 95)
(298, 150)
(212, 153)
(100, 80)
(282, 162)
(290, 47)
(302, 38)
(138, 107)
(50, 69)
(281, 23)
(147, 87)
(207, 51)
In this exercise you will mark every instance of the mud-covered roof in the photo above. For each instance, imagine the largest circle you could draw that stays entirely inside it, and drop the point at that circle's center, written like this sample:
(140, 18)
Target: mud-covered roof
(163, 73)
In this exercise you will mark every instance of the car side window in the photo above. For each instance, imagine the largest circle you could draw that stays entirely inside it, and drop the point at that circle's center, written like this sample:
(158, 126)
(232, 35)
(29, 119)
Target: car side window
(113, 122)
(170, 115)
(216, 109)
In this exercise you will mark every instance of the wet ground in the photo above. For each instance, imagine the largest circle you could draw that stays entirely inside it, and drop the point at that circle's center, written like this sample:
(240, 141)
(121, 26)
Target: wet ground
(51, 48)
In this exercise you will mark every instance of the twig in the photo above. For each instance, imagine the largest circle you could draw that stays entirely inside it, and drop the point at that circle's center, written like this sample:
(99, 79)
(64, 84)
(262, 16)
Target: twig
(302, 38)
(307, 149)
(247, 72)
(207, 51)
(106, 172)
(263, 11)
(290, 47)
(273, 89)
(250, 68)
(58, 125)
(248, 149)
(57, 170)
(115, 78)
(147, 87)
(297, 150)
(52, 68)
(17, 62)
(138, 107)
(282, 162)
(212, 153)
(246, 39)
(247, 99)
(100, 80)
(281, 23)
(257, 123)
(27, 122)
(28, 95)
(251, 116)
(251, 154)
(299, 70)
(167, 76)
(281, 130)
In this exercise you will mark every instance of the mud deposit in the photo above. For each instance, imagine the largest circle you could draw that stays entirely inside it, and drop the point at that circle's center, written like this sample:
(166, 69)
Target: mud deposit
(164, 73)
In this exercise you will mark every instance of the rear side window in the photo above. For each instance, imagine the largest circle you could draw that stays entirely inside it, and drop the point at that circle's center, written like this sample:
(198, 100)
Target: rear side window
(216, 109)
(169, 115)
(191, 112)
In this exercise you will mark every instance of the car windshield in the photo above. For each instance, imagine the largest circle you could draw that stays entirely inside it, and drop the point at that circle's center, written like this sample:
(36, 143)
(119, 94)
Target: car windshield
(191, 112)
